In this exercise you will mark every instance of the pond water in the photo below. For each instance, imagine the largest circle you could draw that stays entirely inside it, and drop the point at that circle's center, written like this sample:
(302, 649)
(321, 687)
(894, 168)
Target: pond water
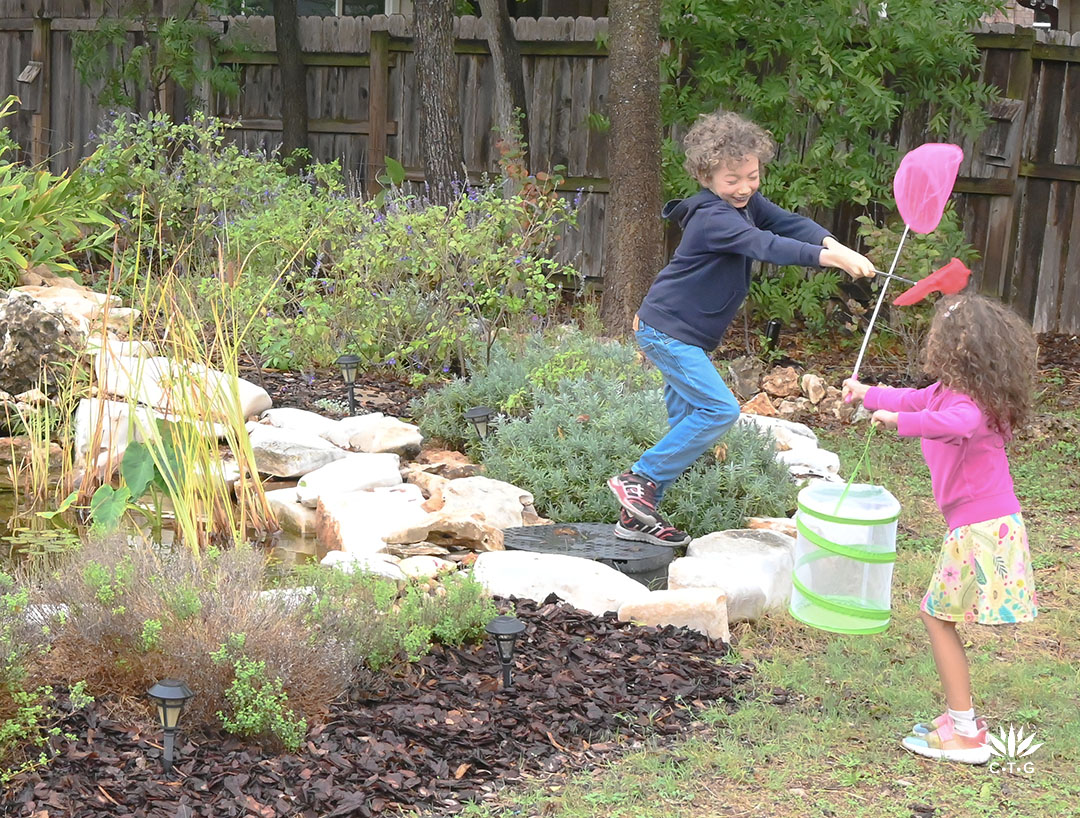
(17, 541)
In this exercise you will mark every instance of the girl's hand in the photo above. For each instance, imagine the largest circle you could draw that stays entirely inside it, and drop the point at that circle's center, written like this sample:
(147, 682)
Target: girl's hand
(853, 390)
(887, 419)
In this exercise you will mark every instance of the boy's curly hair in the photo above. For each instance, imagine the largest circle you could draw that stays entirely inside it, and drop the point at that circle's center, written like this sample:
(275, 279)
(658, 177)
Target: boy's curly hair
(722, 138)
(982, 349)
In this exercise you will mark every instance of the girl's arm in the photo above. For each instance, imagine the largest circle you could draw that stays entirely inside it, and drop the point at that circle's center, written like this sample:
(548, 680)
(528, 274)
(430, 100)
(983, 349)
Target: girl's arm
(897, 400)
(950, 424)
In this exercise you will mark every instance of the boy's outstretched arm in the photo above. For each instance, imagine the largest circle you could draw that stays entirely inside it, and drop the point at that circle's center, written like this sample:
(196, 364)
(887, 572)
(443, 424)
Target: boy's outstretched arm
(835, 254)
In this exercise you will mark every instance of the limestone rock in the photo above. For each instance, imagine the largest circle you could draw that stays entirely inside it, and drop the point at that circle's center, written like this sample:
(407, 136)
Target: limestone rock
(176, 387)
(810, 462)
(452, 529)
(381, 565)
(701, 610)
(291, 515)
(104, 428)
(358, 521)
(288, 453)
(502, 504)
(425, 567)
(376, 432)
(759, 405)
(751, 567)
(448, 464)
(585, 584)
(33, 340)
(782, 525)
(744, 376)
(353, 472)
(286, 417)
(78, 305)
(420, 549)
(813, 387)
(788, 435)
(431, 484)
(782, 382)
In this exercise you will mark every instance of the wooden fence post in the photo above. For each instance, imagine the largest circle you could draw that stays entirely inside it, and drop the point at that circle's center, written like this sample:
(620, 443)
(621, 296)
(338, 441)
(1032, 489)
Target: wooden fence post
(378, 108)
(41, 119)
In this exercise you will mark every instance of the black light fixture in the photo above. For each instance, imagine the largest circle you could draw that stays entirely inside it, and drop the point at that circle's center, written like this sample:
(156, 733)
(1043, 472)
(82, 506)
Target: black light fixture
(772, 334)
(505, 630)
(349, 365)
(480, 417)
(169, 695)
(1046, 12)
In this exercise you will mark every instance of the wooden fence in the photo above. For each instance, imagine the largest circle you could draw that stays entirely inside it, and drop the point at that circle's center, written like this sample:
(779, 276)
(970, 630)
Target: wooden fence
(1018, 188)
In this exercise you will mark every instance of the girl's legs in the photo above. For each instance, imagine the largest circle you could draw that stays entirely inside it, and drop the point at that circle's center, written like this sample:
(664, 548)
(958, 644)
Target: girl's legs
(951, 661)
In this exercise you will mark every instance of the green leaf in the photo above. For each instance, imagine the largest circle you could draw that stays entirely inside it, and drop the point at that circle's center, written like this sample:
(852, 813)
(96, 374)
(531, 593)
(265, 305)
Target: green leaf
(395, 171)
(65, 504)
(108, 505)
(137, 468)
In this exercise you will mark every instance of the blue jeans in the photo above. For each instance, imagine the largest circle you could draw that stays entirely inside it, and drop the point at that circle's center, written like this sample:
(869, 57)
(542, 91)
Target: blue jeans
(700, 406)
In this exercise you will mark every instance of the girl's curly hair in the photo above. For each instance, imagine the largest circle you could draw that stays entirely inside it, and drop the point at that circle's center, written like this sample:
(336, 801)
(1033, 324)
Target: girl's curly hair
(982, 349)
(723, 138)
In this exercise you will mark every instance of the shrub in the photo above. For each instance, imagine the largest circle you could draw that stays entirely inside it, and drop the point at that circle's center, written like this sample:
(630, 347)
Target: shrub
(44, 219)
(831, 81)
(136, 614)
(565, 450)
(378, 623)
(258, 705)
(314, 271)
(521, 372)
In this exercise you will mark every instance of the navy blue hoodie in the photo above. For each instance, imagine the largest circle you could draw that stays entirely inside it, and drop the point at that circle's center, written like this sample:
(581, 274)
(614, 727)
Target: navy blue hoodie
(697, 294)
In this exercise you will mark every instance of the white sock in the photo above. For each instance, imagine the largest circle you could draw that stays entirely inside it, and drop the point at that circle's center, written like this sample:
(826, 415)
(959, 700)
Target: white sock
(964, 721)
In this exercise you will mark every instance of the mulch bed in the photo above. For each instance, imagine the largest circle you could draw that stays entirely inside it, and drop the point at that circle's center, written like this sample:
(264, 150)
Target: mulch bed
(445, 733)
(373, 391)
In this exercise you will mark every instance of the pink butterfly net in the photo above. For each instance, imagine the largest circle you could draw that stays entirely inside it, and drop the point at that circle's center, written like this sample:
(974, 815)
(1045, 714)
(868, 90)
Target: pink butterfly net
(923, 183)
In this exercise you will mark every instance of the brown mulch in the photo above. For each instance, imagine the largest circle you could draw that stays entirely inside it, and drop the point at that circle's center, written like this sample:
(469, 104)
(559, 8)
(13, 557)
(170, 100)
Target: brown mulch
(373, 391)
(446, 733)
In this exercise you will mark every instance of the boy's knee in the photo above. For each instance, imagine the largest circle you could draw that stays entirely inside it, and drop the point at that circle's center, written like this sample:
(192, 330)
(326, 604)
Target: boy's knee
(723, 414)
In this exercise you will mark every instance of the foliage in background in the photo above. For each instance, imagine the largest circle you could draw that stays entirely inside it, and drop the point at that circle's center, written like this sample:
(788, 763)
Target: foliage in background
(44, 219)
(830, 79)
(133, 68)
(793, 293)
(315, 271)
(920, 256)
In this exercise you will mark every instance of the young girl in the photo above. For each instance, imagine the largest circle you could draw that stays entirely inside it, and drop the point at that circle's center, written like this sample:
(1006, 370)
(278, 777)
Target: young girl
(983, 356)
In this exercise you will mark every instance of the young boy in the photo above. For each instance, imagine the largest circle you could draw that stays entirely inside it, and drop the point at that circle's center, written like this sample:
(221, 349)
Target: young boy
(726, 227)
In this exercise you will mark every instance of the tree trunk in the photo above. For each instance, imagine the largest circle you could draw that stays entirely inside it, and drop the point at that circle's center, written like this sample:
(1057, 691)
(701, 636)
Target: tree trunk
(440, 125)
(294, 110)
(509, 79)
(633, 253)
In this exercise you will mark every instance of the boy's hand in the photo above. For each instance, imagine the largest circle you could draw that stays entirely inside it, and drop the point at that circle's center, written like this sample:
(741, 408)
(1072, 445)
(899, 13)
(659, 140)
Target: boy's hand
(838, 255)
(853, 390)
(887, 419)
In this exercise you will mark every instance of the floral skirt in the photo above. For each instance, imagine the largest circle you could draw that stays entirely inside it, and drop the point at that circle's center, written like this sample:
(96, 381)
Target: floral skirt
(984, 575)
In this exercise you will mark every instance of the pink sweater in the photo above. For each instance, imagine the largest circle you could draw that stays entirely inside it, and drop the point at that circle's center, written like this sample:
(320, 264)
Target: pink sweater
(969, 471)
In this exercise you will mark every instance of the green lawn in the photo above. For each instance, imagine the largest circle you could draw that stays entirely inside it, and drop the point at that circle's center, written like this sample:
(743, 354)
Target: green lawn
(831, 749)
